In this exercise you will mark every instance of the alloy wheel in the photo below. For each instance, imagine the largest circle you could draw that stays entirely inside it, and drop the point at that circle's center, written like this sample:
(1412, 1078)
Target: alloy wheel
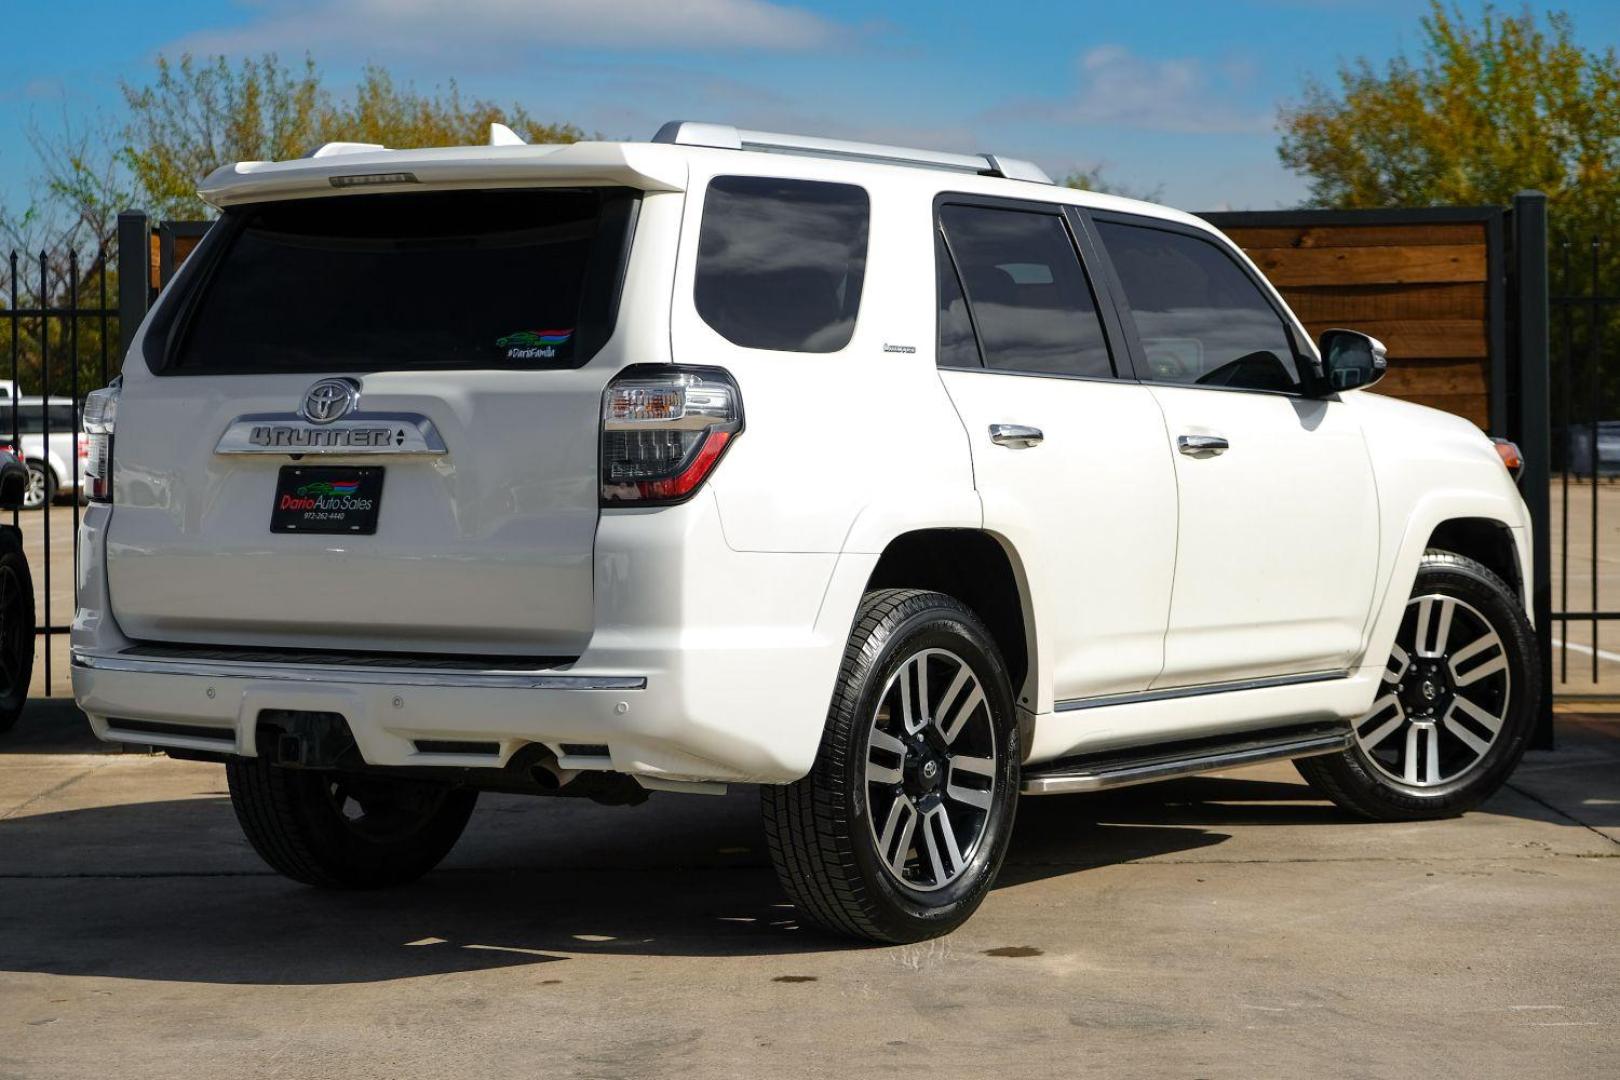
(38, 488)
(1444, 698)
(930, 770)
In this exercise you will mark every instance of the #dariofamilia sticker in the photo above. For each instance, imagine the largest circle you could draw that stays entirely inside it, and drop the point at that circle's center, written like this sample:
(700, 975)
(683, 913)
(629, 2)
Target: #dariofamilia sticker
(535, 344)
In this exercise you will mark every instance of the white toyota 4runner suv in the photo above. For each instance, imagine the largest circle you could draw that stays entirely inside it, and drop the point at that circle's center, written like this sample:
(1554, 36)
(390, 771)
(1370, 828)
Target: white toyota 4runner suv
(899, 484)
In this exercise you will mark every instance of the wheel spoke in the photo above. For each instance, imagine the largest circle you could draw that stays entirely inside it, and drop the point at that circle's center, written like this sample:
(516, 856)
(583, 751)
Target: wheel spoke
(1484, 644)
(1434, 625)
(1460, 730)
(1402, 659)
(940, 840)
(979, 798)
(914, 699)
(948, 699)
(1486, 720)
(883, 742)
(1411, 762)
(894, 844)
(964, 710)
(1384, 730)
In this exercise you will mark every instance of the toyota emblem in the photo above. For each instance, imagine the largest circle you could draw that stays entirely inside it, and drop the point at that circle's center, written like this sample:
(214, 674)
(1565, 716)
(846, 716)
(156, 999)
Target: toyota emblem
(330, 399)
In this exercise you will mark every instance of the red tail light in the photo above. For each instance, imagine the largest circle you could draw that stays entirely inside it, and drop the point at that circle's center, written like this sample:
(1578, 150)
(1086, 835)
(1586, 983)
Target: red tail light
(664, 429)
(100, 414)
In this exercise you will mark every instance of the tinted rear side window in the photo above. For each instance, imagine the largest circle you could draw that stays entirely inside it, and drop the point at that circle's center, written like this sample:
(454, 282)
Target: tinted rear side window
(1032, 304)
(1201, 319)
(473, 279)
(781, 262)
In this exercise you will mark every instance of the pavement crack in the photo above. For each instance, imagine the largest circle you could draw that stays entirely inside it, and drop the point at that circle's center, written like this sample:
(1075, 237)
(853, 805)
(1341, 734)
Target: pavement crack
(48, 792)
(1565, 814)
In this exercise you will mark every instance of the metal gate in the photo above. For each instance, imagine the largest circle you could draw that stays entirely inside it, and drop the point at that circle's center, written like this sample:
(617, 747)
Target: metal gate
(65, 324)
(1585, 428)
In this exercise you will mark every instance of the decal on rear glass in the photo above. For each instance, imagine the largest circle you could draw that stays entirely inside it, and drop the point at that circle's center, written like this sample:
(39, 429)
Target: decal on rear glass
(534, 344)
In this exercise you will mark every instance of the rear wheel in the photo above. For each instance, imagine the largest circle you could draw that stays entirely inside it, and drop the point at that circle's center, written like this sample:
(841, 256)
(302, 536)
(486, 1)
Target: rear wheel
(346, 830)
(1456, 707)
(16, 628)
(897, 833)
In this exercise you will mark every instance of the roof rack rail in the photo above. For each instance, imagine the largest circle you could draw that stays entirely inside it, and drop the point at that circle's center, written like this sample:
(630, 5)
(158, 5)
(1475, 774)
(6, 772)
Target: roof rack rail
(726, 137)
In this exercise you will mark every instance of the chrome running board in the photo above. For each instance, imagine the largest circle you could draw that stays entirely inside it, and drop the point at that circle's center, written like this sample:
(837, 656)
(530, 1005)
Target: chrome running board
(1145, 764)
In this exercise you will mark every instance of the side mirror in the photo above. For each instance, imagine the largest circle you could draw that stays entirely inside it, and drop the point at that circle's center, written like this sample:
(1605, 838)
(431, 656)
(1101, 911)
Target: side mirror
(1351, 360)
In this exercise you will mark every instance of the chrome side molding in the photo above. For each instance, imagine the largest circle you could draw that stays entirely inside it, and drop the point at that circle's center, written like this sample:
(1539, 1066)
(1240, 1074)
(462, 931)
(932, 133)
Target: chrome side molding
(1171, 693)
(356, 433)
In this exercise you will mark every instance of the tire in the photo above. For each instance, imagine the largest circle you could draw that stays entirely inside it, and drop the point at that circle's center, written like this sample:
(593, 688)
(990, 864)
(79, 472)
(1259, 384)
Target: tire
(16, 628)
(898, 831)
(41, 490)
(1427, 748)
(296, 820)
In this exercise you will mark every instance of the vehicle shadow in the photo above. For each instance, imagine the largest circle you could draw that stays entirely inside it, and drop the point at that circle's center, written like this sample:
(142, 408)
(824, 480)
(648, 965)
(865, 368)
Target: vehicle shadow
(534, 882)
(168, 890)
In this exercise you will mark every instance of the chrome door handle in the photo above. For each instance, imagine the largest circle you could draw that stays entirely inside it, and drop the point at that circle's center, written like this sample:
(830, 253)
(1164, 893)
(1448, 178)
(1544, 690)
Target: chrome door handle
(1195, 445)
(1015, 435)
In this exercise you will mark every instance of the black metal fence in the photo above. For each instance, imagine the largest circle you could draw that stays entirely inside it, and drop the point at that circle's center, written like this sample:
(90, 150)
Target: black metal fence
(66, 320)
(1585, 429)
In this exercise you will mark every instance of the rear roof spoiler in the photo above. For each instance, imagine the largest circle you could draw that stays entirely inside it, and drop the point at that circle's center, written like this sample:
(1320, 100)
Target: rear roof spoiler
(645, 166)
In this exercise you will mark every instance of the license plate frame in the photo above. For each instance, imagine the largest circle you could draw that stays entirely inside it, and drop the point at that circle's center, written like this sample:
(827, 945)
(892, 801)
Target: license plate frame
(342, 500)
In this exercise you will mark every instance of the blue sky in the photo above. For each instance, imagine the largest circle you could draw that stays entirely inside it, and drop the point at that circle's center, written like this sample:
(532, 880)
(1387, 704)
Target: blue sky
(1175, 95)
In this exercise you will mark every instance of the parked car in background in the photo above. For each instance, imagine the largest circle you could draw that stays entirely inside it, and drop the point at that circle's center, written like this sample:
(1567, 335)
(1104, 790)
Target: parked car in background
(16, 599)
(56, 469)
(608, 468)
(1576, 442)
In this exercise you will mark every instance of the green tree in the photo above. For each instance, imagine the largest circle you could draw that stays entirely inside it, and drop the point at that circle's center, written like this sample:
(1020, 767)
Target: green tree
(1093, 179)
(1491, 106)
(198, 115)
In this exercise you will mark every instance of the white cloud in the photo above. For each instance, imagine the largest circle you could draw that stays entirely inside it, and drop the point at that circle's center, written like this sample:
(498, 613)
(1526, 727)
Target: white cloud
(493, 27)
(1119, 89)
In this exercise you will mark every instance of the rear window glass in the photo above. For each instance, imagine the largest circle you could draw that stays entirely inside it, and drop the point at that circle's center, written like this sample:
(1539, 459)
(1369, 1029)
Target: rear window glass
(781, 262)
(470, 279)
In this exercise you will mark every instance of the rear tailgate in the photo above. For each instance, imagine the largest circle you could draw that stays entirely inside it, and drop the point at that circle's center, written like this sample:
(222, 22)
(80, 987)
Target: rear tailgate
(479, 330)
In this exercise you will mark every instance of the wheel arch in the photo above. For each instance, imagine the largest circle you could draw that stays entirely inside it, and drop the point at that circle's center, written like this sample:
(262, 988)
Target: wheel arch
(1488, 541)
(984, 572)
(1494, 531)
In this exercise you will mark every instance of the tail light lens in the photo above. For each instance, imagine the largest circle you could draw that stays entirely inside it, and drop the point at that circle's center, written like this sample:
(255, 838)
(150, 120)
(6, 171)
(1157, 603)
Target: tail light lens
(100, 414)
(663, 431)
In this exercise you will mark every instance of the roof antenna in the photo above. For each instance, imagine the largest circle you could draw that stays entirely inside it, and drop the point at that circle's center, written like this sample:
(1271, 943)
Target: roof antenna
(501, 135)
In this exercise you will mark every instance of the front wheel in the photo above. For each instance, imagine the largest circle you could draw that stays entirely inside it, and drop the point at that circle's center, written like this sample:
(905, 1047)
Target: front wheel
(1456, 707)
(897, 833)
(345, 830)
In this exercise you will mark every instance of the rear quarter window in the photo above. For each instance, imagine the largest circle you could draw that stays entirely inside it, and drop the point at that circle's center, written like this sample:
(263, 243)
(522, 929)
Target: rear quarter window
(781, 263)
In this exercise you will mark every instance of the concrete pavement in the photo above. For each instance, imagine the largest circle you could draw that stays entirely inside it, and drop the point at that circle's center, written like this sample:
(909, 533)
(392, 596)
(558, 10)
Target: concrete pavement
(1220, 927)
